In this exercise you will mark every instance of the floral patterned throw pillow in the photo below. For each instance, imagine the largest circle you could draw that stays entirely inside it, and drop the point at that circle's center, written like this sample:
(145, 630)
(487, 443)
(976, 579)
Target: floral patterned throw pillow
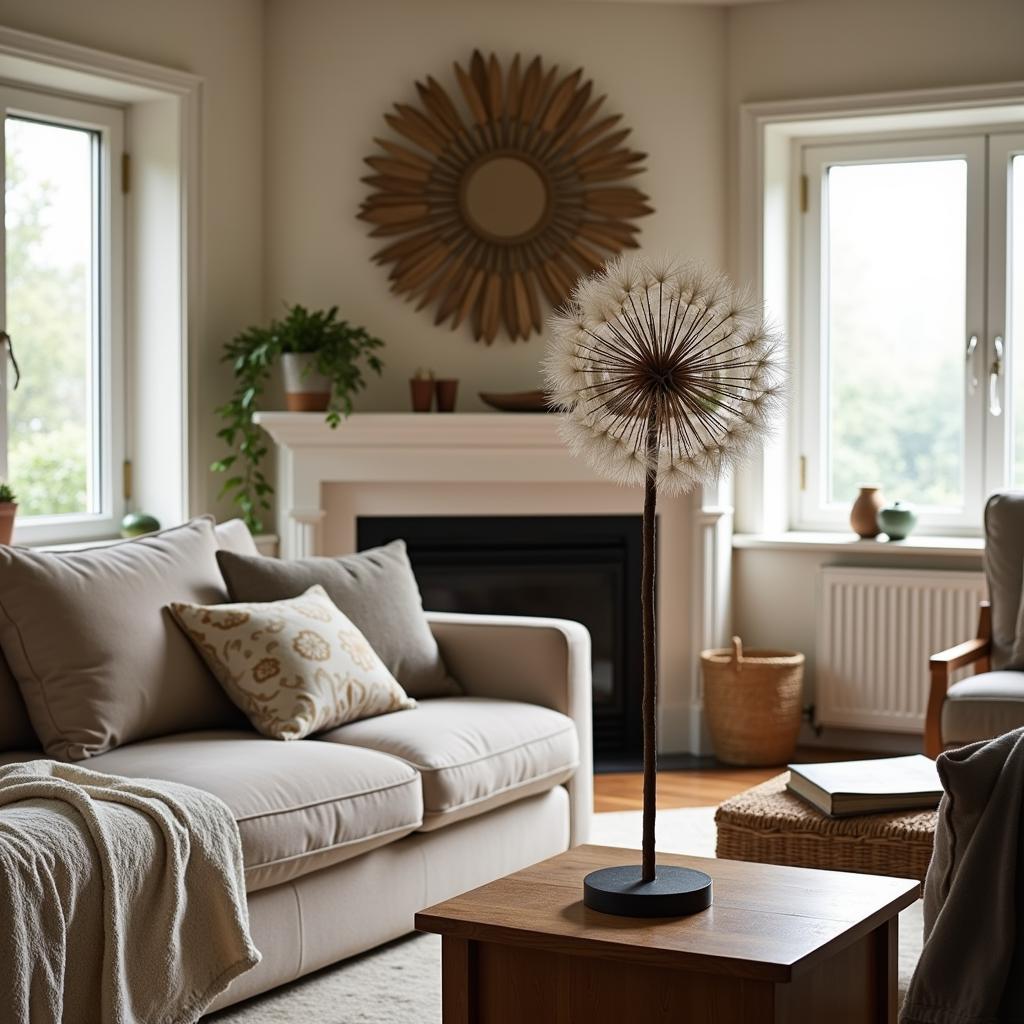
(294, 667)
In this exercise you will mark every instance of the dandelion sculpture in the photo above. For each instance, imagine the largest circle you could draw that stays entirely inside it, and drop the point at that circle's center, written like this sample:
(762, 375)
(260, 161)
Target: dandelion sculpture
(668, 377)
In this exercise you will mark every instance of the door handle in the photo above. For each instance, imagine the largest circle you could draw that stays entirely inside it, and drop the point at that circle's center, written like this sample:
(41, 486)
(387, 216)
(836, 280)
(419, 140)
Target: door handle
(8, 347)
(972, 347)
(995, 403)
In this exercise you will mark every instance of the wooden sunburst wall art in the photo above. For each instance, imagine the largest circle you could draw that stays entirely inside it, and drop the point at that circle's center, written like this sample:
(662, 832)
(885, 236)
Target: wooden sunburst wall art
(504, 201)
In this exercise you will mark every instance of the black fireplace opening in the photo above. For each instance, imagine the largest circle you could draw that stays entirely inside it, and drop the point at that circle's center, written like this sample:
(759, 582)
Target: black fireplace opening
(585, 568)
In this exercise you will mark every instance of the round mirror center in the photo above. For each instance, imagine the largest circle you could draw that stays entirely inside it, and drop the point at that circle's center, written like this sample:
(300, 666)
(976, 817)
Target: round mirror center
(504, 198)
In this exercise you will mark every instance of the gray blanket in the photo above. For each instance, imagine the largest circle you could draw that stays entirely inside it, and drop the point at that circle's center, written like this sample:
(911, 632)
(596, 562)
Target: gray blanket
(123, 899)
(971, 969)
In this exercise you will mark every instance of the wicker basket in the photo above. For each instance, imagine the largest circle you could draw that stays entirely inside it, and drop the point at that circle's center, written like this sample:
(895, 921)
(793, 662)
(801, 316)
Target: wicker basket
(753, 703)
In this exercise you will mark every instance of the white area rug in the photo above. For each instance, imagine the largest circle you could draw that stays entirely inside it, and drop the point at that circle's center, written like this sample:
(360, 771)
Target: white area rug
(401, 983)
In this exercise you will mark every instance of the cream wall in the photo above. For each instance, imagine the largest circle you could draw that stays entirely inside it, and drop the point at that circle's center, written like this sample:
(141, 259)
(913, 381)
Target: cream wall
(809, 48)
(221, 40)
(335, 67)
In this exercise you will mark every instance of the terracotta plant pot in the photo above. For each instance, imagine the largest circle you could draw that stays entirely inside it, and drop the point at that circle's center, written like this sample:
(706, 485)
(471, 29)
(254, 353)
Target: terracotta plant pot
(446, 391)
(305, 390)
(864, 514)
(8, 510)
(422, 391)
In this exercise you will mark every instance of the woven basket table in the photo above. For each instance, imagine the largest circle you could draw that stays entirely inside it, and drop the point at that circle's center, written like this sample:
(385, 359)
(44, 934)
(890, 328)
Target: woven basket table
(770, 825)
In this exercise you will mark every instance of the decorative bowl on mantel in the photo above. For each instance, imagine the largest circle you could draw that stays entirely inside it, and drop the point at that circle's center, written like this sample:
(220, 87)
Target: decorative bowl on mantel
(516, 401)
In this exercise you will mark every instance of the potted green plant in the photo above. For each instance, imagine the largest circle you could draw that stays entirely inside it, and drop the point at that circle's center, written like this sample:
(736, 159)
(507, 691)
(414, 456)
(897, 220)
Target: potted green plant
(8, 510)
(321, 356)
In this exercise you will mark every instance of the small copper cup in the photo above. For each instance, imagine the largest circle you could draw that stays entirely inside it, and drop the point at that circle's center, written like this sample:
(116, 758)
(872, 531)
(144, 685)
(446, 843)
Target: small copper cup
(446, 390)
(422, 391)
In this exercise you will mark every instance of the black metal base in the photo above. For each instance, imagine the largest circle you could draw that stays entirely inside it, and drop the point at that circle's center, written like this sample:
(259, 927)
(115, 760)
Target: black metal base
(675, 892)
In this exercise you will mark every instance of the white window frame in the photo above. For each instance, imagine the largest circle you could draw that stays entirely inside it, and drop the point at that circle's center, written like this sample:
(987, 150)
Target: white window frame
(110, 359)
(165, 321)
(809, 488)
(1002, 147)
(767, 254)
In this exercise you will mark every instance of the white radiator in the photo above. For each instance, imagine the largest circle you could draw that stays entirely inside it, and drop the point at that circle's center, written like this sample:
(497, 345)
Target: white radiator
(876, 631)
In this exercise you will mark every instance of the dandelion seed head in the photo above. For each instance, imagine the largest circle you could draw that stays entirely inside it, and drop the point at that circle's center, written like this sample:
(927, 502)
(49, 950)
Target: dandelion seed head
(663, 370)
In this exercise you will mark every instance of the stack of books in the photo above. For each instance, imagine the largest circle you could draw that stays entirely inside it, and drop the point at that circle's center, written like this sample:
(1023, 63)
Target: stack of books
(844, 788)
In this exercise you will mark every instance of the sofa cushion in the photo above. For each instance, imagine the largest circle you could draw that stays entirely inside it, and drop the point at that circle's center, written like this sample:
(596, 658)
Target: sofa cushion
(294, 667)
(376, 589)
(299, 806)
(233, 535)
(982, 707)
(473, 754)
(97, 655)
(16, 732)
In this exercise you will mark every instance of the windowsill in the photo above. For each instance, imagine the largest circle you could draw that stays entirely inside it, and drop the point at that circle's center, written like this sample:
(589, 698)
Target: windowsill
(849, 543)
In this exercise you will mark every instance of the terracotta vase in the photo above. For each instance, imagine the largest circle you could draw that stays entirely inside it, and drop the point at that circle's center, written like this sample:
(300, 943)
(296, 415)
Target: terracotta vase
(305, 390)
(8, 510)
(446, 390)
(864, 514)
(422, 391)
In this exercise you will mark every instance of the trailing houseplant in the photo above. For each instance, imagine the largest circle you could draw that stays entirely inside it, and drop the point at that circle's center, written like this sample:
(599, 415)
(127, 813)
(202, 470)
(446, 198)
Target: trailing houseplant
(336, 351)
(8, 510)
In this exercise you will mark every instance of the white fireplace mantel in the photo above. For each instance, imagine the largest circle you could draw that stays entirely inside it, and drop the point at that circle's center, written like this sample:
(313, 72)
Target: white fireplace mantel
(431, 461)
(385, 447)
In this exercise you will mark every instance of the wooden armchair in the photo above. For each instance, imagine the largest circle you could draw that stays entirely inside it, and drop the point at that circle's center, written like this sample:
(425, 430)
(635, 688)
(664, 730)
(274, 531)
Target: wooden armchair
(989, 702)
(976, 653)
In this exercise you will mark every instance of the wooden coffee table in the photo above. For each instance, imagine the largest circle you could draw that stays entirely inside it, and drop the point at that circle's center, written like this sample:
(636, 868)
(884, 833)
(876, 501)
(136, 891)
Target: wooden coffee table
(779, 944)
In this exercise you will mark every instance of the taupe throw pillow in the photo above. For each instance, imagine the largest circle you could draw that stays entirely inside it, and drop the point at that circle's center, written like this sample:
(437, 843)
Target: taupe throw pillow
(294, 667)
(96, 653)
(376, 589)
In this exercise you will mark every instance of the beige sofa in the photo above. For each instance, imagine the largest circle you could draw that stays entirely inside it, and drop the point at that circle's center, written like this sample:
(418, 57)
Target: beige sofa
(347, 835)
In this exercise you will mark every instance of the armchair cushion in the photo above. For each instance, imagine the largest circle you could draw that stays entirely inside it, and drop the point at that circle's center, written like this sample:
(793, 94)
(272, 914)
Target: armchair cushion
(1004, 567)
(982, 707)
(472, 753)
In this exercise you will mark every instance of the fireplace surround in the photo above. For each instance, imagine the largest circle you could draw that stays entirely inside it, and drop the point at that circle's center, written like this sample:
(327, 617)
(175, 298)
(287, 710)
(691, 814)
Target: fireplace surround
(501, 464)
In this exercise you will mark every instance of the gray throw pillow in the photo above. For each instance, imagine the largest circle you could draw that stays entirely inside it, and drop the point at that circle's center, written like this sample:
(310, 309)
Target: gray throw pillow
(94, 649)
(376, 589)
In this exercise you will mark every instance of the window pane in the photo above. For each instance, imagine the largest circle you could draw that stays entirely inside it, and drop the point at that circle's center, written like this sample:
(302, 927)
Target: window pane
(51, 312)
(896, 247)
(1015, 284)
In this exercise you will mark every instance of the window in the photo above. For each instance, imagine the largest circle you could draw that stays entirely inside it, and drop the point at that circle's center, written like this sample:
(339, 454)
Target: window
(906, 372)
(62, 426)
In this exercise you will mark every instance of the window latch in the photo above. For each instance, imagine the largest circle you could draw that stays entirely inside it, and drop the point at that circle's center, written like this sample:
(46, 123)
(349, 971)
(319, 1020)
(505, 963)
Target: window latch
(972, 347)
(995, 403)
(5, 340)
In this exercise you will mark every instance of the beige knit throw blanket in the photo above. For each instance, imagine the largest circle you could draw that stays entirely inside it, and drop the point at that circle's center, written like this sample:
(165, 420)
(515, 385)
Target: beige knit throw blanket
(971, 969)
(122, 900)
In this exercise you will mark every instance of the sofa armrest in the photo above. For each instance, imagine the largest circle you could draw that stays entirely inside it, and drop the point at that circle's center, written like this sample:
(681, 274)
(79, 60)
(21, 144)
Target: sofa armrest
(539, 661)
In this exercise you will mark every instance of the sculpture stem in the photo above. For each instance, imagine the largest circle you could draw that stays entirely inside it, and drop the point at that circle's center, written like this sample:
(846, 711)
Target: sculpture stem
(650, 695)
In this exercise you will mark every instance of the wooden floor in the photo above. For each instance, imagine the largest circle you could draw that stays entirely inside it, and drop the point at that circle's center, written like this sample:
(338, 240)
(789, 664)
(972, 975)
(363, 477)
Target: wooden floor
(697, 787)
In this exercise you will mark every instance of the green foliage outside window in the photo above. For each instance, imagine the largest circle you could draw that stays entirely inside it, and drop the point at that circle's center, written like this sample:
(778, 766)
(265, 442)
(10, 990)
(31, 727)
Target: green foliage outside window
(46, 309)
